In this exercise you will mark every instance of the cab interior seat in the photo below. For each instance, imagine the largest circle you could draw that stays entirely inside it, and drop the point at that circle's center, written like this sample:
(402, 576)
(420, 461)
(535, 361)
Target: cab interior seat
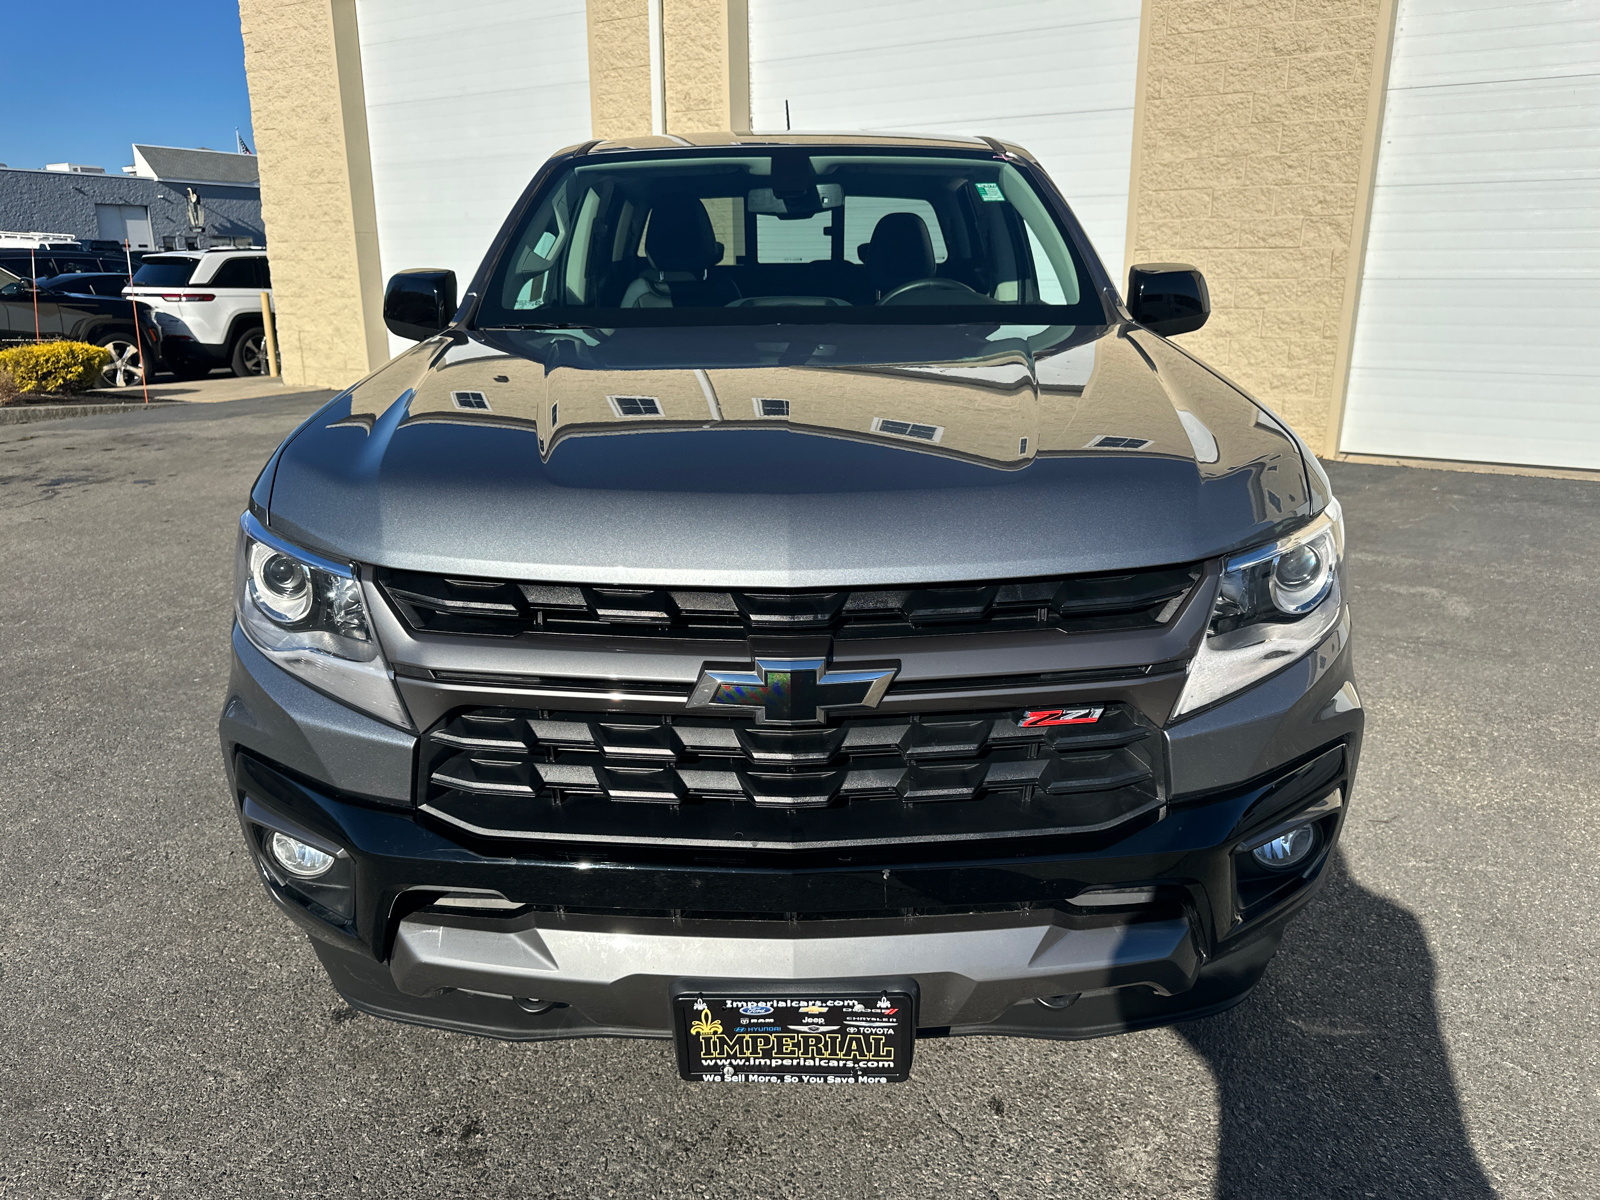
(681, 248)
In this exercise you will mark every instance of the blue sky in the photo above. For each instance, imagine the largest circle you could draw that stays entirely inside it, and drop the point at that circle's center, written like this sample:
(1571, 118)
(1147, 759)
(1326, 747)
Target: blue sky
(82, 82)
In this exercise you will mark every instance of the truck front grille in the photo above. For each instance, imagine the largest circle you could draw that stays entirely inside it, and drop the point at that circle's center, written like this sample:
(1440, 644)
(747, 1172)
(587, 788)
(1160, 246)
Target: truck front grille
(710, 781)
(1142, 599)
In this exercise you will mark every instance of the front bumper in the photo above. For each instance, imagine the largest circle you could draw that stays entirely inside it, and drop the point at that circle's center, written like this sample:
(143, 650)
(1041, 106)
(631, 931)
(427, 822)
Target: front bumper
(1040, 944)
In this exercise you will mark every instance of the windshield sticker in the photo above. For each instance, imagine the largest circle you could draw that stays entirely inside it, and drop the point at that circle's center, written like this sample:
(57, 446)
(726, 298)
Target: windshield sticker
(989, 191)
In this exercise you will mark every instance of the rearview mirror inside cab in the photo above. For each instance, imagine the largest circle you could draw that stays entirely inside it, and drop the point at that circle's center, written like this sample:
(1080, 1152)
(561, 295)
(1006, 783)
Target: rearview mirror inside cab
(417, 304)
(1168, 298)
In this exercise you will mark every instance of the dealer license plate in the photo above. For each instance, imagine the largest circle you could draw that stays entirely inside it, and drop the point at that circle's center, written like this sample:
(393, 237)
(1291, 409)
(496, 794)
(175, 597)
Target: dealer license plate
(818, 1038)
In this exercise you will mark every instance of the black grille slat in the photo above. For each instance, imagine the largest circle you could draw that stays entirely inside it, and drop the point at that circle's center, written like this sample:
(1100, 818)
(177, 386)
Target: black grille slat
(1143, 599)
(985, 768)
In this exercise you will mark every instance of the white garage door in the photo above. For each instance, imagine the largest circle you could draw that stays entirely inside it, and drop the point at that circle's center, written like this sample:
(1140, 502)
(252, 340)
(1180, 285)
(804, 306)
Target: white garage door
(1056, 76)
(464, 102)
(1478, 336)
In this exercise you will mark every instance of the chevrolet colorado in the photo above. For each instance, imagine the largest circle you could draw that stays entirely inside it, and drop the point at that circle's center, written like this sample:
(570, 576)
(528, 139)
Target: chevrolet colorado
(792, 605)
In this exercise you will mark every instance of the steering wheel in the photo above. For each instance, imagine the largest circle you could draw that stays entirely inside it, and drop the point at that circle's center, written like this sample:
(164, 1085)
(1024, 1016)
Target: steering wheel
(932, 291)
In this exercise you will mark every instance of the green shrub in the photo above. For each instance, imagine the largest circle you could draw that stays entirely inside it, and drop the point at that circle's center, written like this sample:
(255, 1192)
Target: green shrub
(55, 366)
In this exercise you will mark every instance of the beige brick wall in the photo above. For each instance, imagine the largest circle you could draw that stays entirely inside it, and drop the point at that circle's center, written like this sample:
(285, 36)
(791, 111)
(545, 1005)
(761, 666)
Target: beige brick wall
(309, 114)
(1254, 143)
(619, 67)
(707, 59)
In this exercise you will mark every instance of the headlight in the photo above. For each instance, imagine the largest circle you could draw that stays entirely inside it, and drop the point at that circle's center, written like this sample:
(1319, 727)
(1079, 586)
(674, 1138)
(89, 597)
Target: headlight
(1275, 604)
(307, 615)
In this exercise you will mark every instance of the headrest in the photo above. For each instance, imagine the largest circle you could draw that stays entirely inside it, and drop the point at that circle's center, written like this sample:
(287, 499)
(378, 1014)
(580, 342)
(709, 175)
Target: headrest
(680, 236)
(900, 251)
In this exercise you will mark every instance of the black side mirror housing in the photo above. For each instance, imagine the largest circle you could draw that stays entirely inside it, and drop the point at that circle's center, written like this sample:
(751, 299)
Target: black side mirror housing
(1168, 298)
(418, 304)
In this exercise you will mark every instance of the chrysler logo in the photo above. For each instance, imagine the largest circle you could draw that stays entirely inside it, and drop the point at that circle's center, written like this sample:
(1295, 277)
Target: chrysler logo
(789, 691)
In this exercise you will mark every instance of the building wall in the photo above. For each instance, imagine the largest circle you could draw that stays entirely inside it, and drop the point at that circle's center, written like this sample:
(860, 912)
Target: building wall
(705, 66)
(491, 95)
(1056, 76)
(59, 202)
(1253, 139)
(619, 67)
(706, 61)
(1253, 153)
(308, 108)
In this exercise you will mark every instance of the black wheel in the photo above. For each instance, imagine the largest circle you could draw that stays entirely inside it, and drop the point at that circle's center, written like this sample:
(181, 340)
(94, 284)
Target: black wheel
(124, 369)
(250, 353)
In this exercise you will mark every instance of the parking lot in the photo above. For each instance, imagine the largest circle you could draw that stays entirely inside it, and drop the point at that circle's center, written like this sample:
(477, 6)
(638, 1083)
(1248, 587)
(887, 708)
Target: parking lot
(1429, 1028)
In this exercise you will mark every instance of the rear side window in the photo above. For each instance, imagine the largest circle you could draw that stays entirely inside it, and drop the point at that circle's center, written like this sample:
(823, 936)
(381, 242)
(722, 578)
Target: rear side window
(164, 272)
(71, 265)
(235, 273)
(263, 273)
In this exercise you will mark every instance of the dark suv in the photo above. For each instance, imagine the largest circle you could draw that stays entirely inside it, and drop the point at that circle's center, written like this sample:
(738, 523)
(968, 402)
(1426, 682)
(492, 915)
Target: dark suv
(63, 307)
(792, 605)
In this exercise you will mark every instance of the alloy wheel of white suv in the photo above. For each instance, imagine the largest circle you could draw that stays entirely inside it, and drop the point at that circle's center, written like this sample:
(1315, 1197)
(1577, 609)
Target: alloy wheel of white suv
(250, 354)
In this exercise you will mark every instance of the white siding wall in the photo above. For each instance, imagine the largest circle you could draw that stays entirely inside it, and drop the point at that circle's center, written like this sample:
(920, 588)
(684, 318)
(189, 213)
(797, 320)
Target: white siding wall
(1478, 335)
(1056, 76)
(465, 100)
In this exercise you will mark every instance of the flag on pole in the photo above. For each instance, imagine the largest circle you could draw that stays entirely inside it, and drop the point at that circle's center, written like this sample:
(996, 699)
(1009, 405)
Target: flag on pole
(243, 149)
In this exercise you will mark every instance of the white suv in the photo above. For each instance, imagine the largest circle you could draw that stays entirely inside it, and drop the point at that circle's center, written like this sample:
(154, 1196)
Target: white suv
(208, 305)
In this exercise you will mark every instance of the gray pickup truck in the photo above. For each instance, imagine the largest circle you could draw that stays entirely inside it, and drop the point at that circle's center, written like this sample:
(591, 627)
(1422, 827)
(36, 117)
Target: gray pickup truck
(792, 605)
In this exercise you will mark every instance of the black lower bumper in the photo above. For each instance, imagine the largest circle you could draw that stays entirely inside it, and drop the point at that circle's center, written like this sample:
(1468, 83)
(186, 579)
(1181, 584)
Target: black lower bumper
(1218, 984)
(1073, 940)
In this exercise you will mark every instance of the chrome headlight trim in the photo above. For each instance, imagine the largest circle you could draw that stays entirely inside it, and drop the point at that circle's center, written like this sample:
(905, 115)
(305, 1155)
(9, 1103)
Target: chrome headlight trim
(1253, 633)
(327, 642)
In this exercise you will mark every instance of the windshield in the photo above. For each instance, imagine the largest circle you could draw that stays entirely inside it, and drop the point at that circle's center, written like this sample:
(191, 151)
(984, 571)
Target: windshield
(164, 272)
(793, 235)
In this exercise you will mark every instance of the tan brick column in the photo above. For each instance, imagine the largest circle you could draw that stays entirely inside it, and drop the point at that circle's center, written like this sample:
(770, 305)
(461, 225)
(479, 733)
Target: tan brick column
(706, 62)
(708, 65)
(1254, 143)
(619, 67)
(308, 108)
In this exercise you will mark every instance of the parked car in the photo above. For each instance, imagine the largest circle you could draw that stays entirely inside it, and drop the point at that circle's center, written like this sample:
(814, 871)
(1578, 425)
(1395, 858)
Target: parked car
(102, 320)
(85, 283)
(211, 301)
(793, 606)
(62, 260)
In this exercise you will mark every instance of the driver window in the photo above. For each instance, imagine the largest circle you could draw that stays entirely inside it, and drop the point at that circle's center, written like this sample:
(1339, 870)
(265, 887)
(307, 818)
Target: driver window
(578, 259)
(528, 281)
(1050, 289)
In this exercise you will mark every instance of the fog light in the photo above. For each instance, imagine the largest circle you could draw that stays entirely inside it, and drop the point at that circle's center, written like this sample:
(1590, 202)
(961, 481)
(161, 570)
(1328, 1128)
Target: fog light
(1287, 850)
(301, 860)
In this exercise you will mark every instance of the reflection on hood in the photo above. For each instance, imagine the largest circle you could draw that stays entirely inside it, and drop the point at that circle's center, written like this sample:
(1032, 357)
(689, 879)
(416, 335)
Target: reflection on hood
(809, 414)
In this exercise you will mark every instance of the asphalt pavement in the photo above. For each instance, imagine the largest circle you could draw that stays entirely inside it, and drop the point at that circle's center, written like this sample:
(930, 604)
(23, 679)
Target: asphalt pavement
(1428, 1030)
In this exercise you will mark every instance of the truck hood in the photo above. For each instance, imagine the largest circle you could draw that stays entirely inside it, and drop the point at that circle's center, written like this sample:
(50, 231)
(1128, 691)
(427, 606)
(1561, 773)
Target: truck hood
(788, 456)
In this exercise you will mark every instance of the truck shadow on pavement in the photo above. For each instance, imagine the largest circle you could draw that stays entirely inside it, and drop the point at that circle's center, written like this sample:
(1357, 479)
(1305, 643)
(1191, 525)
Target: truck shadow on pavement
(1333, 1077)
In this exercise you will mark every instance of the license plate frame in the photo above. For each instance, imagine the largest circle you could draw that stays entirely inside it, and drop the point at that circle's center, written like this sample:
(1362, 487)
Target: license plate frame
(845, 1036)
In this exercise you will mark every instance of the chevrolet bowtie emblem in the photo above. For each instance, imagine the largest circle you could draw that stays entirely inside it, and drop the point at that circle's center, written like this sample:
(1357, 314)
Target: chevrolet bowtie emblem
(789, 691)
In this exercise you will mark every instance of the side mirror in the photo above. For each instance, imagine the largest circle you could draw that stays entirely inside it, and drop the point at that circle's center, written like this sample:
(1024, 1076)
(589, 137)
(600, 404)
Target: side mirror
(418, 304)
(1168, 298)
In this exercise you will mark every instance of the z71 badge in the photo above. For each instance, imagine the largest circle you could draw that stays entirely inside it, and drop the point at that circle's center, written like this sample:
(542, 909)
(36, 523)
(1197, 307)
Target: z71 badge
(1060, 716)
